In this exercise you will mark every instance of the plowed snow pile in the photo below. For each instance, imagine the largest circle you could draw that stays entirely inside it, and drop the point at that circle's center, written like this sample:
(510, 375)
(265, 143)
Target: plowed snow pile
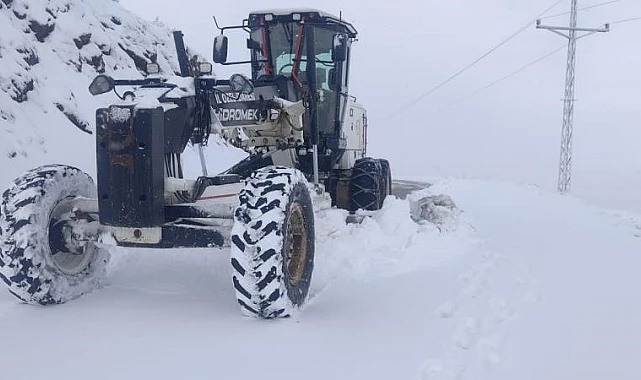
(523, 284)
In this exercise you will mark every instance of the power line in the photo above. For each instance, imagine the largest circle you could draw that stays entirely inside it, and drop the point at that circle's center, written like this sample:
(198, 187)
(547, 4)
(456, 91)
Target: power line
(504, 78)
(625, 20)
(527, 66)
(596, 6)
(582, 9)
(466, 68)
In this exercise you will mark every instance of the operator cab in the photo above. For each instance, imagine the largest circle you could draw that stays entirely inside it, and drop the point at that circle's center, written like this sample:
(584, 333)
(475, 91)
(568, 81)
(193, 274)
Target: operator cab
(279, 48)
(281, 43)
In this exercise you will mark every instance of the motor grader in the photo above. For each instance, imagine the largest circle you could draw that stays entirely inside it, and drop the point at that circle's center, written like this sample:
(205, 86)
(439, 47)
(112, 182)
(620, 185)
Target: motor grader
(305, 136)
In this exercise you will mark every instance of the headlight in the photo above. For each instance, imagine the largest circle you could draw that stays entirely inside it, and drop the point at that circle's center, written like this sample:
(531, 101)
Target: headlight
(205, 68)
(153, 68)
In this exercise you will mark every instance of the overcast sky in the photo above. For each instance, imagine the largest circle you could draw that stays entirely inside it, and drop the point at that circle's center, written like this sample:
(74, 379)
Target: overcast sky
(509, 132)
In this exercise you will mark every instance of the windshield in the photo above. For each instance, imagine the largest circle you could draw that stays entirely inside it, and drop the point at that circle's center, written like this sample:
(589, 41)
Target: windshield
(285, 41)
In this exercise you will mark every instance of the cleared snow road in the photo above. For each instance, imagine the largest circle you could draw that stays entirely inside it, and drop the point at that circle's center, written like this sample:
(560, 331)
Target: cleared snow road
(530, 285)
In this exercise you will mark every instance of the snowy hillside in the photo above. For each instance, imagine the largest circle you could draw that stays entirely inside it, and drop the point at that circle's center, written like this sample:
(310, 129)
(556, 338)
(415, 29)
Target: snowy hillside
(50, 50)
(524, 284)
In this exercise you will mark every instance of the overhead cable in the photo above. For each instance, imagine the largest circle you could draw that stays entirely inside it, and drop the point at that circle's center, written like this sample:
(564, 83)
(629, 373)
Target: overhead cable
(625, 20)
(504, 78)
(475, 62)
(583, 9)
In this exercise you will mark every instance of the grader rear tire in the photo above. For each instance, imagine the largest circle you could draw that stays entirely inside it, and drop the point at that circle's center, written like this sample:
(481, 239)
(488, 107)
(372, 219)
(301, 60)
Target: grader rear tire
(365, 188)
(386, 180)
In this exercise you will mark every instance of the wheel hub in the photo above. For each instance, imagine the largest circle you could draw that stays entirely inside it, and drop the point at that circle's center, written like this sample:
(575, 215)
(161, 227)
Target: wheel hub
(70, 241)
(296, 244)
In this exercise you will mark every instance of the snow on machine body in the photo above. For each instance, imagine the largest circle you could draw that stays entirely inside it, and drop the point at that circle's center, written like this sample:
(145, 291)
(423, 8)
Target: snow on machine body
(306, 139)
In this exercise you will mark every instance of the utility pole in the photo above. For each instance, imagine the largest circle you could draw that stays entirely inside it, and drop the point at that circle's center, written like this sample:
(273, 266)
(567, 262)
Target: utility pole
(565, 162)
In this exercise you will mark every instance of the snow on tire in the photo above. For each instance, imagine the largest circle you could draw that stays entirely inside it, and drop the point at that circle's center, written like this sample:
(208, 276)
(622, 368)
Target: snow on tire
(272, 250)
(35, 270)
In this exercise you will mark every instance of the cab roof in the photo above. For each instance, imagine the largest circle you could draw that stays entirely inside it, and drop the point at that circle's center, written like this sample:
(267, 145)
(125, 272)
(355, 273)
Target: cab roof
(313, 15)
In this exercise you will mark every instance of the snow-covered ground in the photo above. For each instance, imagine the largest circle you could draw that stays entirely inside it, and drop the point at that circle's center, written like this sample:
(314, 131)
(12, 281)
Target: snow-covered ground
(524, 284)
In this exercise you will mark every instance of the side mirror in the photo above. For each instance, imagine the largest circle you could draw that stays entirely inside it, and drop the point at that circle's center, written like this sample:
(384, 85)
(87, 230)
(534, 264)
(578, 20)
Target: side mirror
(339, 52)
(220, 49)
(239, 83)
(102, 84)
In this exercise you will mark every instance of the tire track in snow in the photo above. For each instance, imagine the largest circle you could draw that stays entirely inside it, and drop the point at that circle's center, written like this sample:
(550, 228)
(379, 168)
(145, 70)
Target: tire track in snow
(480, 316)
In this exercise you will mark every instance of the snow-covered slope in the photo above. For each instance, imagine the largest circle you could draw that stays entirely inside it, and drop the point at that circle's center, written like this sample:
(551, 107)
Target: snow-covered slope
(530, 285)
(50, 50)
